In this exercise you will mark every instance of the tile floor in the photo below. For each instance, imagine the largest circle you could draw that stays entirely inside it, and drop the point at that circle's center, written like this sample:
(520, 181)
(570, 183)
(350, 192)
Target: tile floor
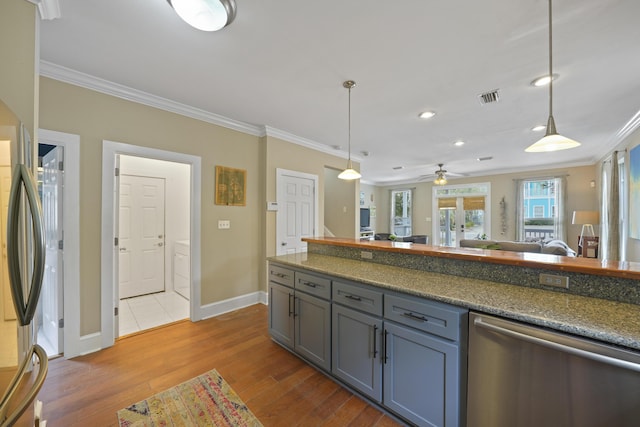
(148, 311)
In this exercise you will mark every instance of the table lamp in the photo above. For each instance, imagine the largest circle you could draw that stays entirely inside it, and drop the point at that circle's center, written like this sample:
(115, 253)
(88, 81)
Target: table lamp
(586, 219)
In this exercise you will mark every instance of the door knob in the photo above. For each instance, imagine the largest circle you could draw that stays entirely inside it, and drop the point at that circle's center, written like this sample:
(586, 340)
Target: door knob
(284, 243)
(123, 249)
(160, 244)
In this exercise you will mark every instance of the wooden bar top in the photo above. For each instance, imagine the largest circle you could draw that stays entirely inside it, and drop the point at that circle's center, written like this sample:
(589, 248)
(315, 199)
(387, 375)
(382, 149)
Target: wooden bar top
(626, 270)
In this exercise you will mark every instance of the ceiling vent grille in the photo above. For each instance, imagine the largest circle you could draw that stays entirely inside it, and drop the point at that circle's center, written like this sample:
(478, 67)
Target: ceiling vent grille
(489, 97)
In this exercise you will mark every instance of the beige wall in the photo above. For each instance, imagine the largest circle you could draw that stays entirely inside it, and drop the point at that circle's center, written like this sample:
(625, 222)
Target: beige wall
(581, 196)
(230, 258)
(18, 79)
(339, 209)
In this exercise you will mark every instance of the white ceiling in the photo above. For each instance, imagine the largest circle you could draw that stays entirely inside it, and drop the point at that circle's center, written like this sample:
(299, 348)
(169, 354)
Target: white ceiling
(281, 64)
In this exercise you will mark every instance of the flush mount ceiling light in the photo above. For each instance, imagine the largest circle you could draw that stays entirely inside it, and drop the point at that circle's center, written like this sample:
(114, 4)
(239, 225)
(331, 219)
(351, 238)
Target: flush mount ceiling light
(458, 143)
(441, 179)
(426, 114)
(349, 173)
(551, 141)
(538, 128)
(205, 15)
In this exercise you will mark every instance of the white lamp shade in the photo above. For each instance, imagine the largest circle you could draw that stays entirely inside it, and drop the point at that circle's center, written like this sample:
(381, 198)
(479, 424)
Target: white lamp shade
(553, 142)
(349, 174)
(586, 217)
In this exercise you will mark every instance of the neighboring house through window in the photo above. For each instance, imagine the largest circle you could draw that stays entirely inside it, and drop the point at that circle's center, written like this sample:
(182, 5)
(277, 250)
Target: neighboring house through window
(540, 209)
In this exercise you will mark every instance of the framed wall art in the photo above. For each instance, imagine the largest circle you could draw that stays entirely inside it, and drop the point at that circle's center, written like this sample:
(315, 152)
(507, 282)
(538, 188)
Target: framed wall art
(231, 186)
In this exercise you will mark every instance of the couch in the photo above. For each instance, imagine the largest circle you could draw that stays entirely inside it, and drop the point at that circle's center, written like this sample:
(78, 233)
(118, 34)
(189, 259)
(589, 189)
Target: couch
(416, 238)
(550, 247)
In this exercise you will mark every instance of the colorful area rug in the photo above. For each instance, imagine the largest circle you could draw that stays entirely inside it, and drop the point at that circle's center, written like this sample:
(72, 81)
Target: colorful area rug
(206, 400)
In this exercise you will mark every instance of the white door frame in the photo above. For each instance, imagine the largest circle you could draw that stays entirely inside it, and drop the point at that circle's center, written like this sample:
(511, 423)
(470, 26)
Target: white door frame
(73, 345)
(280, 173)
(109, 264)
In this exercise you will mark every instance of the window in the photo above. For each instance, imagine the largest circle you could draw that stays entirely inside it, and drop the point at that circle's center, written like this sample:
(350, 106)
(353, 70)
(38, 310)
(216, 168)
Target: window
(540, 209)
(401, 212)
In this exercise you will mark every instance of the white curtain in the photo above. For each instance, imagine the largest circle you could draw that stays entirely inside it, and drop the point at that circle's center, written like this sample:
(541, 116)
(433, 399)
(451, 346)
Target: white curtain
(613, 219)
(520, 184)
(560, 226)
(603, 252)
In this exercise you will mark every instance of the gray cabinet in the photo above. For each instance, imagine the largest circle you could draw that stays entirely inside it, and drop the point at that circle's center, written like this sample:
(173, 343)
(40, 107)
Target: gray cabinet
(356, 350)
(405, 353)
(425, 360)
(300, 313)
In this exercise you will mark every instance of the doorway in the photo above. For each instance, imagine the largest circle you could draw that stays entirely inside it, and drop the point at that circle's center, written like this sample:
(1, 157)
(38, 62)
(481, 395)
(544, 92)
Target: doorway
(135, 160)
(151, 221)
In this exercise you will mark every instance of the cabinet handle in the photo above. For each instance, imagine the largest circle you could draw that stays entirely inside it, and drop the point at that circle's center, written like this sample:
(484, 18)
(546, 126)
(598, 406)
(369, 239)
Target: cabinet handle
(375, 339)
(296, 313)
(384, 347)
(311, 285)
(353, 297)
(415, 317)
(280, 275)
(290, 310)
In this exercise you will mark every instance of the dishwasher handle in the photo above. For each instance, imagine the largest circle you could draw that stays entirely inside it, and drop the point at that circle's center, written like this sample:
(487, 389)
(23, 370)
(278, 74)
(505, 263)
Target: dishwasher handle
(558, 346)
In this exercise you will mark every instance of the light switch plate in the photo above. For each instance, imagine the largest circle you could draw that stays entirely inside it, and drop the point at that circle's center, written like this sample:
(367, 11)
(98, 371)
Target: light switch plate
(224, 224)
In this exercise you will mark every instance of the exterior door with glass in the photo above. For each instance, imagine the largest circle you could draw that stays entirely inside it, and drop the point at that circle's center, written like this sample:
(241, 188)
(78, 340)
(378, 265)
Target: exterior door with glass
(461, 218)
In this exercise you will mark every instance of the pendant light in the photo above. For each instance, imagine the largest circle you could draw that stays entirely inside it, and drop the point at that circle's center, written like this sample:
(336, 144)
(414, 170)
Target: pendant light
(551, 141)
(205, 15)
(349, 173)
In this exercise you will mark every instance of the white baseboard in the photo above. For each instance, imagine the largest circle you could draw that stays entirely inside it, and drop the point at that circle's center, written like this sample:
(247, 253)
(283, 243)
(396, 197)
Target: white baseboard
(231, 304)
(93, 342)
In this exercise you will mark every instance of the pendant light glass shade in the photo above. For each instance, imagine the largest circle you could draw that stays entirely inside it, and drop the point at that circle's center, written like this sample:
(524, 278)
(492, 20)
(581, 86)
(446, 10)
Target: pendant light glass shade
(440, 179)
(551, 141)
(205, 15)
(349, 173)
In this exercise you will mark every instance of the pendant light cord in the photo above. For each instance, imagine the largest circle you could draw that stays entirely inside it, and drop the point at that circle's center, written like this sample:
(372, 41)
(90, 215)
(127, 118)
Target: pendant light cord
(550, 65)
(349, 125)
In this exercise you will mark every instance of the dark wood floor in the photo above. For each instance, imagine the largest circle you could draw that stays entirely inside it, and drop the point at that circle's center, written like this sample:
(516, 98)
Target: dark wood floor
(279, 388)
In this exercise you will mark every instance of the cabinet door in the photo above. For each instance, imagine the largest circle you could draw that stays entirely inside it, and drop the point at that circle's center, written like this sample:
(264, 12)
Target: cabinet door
(422, 377)
(281, 313)
(356, 350)
(313, 329)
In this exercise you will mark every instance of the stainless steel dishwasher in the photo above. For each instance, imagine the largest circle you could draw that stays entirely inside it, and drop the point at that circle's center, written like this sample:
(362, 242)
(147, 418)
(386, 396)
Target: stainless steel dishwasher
(520, 375)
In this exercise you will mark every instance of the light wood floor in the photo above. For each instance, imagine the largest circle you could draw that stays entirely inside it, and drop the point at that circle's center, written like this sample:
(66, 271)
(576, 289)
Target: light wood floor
(279, 388)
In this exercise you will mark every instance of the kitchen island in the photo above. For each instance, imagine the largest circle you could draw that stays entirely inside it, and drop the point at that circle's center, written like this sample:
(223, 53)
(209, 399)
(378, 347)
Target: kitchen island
(601, 314)
(412, 327)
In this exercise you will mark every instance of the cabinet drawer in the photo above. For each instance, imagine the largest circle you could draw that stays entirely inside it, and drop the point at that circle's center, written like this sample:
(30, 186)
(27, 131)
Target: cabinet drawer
(429, 316)
(367, 300)
(314, 285)
(281, 275)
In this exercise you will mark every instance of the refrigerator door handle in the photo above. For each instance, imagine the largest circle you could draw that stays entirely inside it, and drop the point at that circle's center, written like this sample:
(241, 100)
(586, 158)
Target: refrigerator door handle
(22, 178)
(558, 346)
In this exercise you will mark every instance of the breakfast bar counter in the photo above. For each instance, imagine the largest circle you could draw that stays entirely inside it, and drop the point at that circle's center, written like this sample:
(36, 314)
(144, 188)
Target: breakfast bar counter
(610, 321)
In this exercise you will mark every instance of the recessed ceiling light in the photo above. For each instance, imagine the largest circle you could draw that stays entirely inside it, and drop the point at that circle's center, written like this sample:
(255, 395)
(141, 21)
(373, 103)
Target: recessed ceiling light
(543, 80)
(426, 114)
(458, 143)
(538, 128)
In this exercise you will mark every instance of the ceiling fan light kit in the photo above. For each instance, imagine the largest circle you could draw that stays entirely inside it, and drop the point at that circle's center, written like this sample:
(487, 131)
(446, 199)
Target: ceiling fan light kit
(205, 15)
(349, 173)
(551, 141)
(441, 179)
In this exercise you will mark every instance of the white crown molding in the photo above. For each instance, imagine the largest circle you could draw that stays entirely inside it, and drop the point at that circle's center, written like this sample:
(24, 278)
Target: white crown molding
(67, 75)
(286, 136)
(76, 78)
(49, 9)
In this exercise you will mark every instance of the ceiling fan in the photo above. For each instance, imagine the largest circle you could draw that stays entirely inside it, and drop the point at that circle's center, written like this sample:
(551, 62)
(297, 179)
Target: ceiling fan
(440, 176)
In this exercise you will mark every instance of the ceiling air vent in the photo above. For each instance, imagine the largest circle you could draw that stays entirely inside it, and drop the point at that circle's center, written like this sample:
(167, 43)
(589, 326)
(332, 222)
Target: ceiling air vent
(489, 97)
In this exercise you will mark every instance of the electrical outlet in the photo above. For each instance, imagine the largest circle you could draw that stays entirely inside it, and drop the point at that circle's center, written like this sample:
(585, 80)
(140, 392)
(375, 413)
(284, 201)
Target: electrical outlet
(554, 280)
(224, 224)
(366, 255)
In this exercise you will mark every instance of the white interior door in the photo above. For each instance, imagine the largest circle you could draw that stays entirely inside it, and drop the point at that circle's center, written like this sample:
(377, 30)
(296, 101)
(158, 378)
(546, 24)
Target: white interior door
(296, 216)
(141, 235)
(52, 299)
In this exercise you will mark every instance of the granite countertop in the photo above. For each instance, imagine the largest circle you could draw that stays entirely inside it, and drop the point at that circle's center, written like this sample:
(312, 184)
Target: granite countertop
(613, 322)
